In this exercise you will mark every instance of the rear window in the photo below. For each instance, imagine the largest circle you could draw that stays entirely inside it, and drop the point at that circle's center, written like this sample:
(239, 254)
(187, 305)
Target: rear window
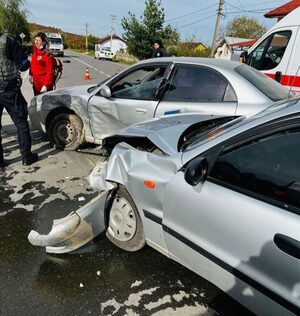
(269, 87)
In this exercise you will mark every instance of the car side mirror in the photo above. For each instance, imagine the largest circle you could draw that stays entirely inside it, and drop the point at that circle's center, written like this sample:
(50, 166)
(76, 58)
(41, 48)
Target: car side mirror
(196, 171)
(244, 57)
(105, 92)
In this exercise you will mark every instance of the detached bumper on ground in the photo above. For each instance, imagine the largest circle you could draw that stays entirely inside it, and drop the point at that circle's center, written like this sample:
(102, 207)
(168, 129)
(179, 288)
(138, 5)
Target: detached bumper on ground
(73, 231)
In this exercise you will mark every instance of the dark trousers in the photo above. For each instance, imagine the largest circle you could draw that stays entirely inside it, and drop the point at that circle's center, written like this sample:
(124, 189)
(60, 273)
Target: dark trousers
(16, 106)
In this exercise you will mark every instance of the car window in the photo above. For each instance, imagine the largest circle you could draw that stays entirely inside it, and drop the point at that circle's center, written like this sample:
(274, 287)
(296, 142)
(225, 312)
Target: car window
(269, 87)
(199, 84)
(139, 84)
(268, 167)
(269, 53)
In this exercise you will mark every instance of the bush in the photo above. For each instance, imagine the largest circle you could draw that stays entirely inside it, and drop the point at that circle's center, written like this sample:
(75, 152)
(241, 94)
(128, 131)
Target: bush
(184, 49)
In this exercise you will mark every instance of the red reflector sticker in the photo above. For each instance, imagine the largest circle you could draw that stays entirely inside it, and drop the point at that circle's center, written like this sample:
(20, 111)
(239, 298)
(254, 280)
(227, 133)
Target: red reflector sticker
(149, 184)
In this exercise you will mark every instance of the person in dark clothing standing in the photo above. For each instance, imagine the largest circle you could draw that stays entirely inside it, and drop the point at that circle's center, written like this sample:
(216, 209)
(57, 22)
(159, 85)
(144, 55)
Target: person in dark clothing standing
(159, 50)
(13, 59)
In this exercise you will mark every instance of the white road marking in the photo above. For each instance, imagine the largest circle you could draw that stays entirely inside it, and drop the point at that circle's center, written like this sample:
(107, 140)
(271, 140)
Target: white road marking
(90, 66)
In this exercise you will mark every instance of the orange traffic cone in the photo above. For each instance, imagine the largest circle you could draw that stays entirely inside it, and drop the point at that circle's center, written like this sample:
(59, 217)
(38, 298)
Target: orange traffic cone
(87, 74)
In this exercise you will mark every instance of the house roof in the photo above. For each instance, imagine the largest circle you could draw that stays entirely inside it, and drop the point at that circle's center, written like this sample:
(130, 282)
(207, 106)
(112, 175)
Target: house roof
(245, 43)
(107, 37)
(283, 10)
(230, 41)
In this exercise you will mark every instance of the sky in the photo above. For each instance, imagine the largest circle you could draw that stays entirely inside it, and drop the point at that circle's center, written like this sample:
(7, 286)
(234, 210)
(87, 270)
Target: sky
(192, 18)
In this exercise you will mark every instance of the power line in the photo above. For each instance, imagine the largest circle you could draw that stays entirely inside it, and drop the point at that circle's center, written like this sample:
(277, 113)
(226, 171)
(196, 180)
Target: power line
(189, 14)
(180, 27)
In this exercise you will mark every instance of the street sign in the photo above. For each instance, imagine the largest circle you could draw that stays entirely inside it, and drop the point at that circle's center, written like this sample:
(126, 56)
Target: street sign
(22, 35)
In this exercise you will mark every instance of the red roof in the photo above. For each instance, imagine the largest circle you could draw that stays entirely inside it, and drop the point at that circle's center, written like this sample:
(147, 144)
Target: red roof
(283, 10)
(246, 43)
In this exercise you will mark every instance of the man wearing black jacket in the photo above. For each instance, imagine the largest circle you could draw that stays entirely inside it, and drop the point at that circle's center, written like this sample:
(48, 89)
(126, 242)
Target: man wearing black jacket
(159, 50)
(13, 59)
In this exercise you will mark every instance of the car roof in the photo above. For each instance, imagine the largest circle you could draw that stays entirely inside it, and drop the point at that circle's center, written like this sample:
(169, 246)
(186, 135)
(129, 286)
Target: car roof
(228, 64)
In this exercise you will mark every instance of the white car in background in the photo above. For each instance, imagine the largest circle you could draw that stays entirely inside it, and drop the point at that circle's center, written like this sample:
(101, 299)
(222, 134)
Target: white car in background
(104, 53)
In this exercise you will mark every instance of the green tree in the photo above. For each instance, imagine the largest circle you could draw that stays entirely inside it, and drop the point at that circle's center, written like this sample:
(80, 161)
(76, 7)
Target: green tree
(244, 27)
(141, 33)
(13, 18)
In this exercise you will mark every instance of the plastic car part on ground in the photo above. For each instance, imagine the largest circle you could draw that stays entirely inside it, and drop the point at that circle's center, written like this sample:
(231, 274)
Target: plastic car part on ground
(74, 230)
(79, 227)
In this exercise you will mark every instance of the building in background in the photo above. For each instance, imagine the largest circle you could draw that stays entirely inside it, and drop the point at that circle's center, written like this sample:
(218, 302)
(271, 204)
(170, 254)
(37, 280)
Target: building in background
(231, 47)
(115, 43)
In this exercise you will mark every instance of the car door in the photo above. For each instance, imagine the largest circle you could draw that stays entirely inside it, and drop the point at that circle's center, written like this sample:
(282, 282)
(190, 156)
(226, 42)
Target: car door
(195, 88)
(240, 227)
(133, 99)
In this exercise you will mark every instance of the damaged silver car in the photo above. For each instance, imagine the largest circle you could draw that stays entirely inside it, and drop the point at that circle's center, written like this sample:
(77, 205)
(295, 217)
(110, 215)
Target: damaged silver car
(151, 88)
(225, 204)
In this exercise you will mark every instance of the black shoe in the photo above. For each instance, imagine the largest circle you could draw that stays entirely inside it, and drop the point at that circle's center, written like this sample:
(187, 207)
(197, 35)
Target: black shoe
(30, 159)
(3, 163)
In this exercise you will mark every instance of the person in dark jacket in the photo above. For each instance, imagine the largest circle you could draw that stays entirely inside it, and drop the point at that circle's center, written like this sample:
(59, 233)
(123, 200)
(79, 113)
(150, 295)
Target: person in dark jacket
(41, 69)
(13, 60)
(158, 49)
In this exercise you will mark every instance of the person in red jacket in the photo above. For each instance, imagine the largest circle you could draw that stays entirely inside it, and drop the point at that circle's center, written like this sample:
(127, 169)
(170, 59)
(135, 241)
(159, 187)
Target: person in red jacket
(41, 69)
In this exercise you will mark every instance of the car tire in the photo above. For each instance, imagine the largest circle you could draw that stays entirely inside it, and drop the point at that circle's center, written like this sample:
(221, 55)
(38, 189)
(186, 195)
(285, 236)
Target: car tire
(125, 228)
(65, 131)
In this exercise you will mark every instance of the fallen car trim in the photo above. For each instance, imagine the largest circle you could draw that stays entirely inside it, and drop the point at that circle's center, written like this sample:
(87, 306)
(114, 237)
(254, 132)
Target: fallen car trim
(76, 229)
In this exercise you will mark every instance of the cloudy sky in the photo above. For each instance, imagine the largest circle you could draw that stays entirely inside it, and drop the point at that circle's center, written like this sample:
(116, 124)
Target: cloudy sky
(190, 17)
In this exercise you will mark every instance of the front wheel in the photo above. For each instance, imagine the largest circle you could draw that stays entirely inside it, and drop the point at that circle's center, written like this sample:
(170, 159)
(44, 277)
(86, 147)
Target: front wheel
(125, 228)
(65, 131)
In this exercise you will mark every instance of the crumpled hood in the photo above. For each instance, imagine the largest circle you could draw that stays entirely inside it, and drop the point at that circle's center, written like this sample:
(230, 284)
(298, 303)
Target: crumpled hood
(72, 97)
(164, 131)
(77, 90)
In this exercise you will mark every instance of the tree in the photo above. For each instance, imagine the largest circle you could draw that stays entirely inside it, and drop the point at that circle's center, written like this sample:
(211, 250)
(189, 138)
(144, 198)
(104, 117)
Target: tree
(244, 27)
(12, 19)
(141, 33)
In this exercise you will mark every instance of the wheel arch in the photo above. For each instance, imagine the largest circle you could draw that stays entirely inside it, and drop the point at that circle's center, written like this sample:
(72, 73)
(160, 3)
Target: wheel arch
(57, 111)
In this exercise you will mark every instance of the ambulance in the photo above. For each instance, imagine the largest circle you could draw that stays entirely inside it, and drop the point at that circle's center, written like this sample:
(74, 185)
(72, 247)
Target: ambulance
(56, 45)
(277, 53)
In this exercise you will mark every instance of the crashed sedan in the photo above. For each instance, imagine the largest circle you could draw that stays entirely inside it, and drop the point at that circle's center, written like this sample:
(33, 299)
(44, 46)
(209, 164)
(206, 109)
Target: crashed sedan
(151, 88)
(225, 204)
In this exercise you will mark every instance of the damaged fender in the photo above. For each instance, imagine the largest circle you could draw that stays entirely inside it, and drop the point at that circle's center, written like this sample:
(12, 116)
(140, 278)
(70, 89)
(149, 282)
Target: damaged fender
(76, 229)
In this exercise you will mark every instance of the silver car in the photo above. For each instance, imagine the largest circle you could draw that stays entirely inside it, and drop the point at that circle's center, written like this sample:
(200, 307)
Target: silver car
(151, 88)
(225, 204)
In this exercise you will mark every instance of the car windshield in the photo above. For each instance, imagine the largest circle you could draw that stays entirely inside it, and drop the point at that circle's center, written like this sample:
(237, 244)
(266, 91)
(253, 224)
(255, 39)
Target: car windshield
(55, 40)
(269, 87)
(91, 89)
(219, 130)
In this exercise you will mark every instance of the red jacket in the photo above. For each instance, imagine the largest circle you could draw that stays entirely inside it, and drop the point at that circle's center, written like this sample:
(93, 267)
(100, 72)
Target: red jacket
(41, 69)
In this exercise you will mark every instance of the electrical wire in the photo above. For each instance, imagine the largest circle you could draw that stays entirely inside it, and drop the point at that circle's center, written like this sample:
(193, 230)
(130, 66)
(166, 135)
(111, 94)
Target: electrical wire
(180, 27)
(189, 14)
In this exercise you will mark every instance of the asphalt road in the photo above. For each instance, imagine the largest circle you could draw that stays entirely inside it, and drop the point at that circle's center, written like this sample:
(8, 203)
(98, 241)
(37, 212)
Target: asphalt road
(98, 279)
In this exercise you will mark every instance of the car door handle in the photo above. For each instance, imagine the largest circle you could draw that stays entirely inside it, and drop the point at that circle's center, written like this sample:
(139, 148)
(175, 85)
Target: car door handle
(139, 110)
(288, 245)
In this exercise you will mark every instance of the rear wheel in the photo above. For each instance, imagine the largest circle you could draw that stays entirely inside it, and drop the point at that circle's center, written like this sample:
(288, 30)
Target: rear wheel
(125, 228)
(65, 131)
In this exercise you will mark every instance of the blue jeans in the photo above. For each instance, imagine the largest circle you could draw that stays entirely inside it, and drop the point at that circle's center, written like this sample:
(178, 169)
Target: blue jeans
(16, 106)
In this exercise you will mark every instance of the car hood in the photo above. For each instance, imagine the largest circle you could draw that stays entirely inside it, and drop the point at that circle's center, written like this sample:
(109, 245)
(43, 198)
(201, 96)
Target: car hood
(74, 98)
(77, 90)
(164, 132)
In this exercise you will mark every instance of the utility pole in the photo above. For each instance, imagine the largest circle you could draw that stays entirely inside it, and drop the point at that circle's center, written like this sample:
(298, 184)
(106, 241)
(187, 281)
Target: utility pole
(86, 38)
(113, 17)
(221, 2)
